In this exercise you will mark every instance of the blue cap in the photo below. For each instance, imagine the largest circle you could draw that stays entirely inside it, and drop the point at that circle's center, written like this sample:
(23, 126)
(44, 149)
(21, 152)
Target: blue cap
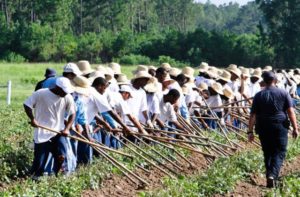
(50, 72)
(268, 76)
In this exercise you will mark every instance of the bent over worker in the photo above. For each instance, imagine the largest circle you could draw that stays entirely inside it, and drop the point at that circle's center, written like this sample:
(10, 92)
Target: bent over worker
(48, 108)
(271, 109)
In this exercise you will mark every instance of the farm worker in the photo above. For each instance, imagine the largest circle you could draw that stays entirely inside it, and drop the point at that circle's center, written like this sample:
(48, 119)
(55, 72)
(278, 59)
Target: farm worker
(81, 91)
(138, 102)
(214, 100)
(50, 72)
(49, 107)
(270, 111)
(167, 113)
(70, 71)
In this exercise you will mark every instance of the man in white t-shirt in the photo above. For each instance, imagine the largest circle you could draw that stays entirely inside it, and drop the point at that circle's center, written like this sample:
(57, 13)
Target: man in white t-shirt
(167, 112)
(48, 108)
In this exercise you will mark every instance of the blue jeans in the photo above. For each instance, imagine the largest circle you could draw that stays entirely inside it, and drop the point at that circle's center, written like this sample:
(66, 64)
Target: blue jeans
(84, 153)
(55, 146)
(274, 140)
(213, 123)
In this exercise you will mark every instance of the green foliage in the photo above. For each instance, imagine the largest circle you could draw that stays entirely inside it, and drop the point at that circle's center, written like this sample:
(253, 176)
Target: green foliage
(14, 57)
(134, 60)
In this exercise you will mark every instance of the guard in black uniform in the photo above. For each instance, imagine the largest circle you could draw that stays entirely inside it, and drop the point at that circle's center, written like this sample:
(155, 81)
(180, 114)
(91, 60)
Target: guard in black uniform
(271, 111)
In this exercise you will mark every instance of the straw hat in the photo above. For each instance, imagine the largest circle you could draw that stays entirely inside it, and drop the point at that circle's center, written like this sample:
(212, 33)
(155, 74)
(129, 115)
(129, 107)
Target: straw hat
(257, 73)
(203, 67)
(166, 66)
(95, 75)
(225, 76)
(202, 86)
(109, 74)
(251, 70)
(101, 68)
(174, 72)
(188, 71)
(122, 80)
(115, 67)
(152, 68)
(217, 87)
(268, 68)
(168, 78)
(233, 69)
(245, 72)
(228, 92)
(82, 85)
(142, 74)
(212, 72)
(152, 87)
(140, 68)
(85, 67)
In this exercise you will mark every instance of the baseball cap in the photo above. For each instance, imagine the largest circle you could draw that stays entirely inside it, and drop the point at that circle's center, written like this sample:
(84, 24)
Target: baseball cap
(72, 68)
(65, 84)
(50, 72)
(268, 76)
(126, 88)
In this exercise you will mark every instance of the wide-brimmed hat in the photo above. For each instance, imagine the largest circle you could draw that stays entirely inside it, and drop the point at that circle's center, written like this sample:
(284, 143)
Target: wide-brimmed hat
(245, 72)
(140, 68)
(185, 89)
(85, 67)
(151, 68)
(141, 74)
(257, 73)
(203, 67)
(225, 76)
(122, 80)
(174, 72)
(168, 78)
(227, 91)
(152, 87)
(126, 88)
(109, 74)
(95, 75)
(232, 68)
(212, 72)
(217, 87)
(82, 85)
(268, 68)
(72, 68)
(188, 71)
(50, 72)
(166, 66)
(203, 86)
(115, 67)
(251, 70)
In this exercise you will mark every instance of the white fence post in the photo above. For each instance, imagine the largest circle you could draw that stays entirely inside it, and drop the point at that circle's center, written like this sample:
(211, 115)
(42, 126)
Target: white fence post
(8, 96)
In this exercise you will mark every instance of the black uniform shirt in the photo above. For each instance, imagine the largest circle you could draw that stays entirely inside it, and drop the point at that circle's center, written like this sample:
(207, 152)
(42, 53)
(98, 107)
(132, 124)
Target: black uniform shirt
(271, 104)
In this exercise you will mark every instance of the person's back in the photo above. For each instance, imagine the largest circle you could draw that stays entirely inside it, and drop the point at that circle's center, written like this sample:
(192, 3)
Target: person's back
(271, 104)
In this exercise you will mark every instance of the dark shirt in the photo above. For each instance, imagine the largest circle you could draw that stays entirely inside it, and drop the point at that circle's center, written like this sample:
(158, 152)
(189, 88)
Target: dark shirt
(270, 105)
(39, 85)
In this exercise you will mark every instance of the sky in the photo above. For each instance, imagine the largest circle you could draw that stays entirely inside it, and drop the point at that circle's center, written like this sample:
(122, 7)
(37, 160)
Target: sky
(219, 2)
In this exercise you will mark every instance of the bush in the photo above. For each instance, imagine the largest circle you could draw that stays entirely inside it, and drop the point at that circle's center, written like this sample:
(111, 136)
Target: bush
(171, 61)
(135, 59)
(14, 57)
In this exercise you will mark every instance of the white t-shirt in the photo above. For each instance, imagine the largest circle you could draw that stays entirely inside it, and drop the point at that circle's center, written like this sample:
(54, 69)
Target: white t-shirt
(254, 88)
(49, 111)
(138, 103)
(96, 103)
(215, 101)
(123, 110)
(153, 103)
(167, 112)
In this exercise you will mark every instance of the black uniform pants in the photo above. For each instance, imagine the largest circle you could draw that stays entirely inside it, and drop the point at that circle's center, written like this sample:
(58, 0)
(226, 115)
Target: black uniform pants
(274, 140)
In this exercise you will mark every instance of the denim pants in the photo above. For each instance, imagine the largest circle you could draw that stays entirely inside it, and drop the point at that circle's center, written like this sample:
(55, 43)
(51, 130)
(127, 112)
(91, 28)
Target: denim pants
(55, 146)
(213, 123)
(274, 140)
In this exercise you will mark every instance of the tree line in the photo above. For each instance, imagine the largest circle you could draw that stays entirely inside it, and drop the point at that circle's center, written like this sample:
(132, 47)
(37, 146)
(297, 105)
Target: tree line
(134, 31)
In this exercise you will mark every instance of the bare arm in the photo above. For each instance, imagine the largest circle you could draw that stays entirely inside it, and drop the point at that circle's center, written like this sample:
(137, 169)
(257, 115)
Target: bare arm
(29, 113)
(118, 119)
(293, 119)
(68, 125)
